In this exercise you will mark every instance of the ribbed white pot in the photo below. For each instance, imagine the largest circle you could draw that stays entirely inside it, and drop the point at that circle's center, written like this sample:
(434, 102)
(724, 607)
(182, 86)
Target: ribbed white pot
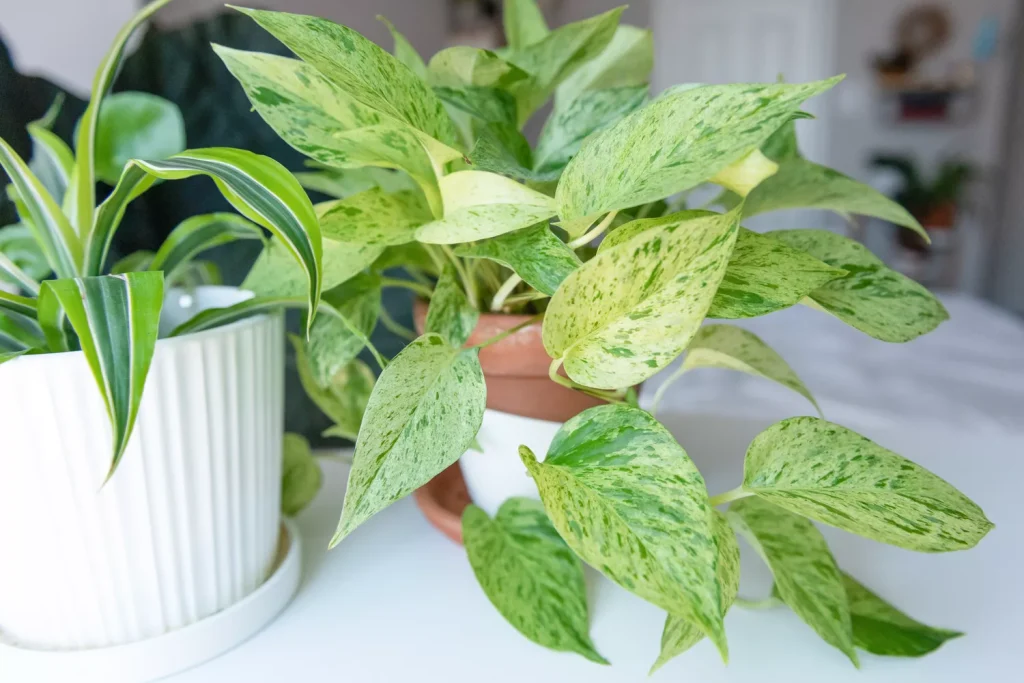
(189, 523)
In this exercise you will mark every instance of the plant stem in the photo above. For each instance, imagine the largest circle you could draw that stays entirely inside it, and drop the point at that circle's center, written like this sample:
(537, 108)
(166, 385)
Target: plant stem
(467, 281)
(767, 603)
(396, 327)
(663, 389)
(609, 396)
(509, 332)
(526, 297)
(729, 496)
(506, 288)
(594, 232)
(421, 289)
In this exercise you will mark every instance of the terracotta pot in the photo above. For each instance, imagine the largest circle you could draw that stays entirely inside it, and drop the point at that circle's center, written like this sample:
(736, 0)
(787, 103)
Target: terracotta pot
(516, 372)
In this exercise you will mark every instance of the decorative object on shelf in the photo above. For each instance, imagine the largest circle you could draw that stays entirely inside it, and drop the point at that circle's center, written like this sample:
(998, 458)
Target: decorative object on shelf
(486, 226)
(141, 405)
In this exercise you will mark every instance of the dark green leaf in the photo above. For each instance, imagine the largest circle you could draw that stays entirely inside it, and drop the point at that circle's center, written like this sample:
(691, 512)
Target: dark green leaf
(197, 234)
(136, 125)
(450, 314)
(300, 475)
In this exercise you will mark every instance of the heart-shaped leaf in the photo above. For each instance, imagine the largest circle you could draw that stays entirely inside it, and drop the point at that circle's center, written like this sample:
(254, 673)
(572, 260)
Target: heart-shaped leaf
(530, 575)
(333, 343)
(424, 412)
(343, 399)
(478, 204)
(628, 312)
(627, 61)
(450, 314)
(806, 575)
(872, 297)
(676, 142)
(535, 254)
(301, 477)
(625, 496)
(766, 275)
(374, 217)
(136, 125)
(827, 472)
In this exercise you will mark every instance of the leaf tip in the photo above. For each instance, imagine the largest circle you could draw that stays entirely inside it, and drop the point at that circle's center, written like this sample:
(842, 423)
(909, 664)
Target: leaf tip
(528, 458)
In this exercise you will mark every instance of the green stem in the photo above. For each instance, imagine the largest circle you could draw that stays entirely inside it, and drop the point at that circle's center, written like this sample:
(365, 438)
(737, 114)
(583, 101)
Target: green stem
(395, 327)
(506, 288)
(663, 389)
(729, 496)
(526, 297)
(509, 332)
(467, 281)
(421, 289)
(609, 396)
(594, 232)
(767, 603)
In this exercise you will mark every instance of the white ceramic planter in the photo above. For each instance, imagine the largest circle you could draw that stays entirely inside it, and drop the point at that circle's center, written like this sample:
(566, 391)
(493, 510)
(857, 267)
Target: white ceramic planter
(189, 524)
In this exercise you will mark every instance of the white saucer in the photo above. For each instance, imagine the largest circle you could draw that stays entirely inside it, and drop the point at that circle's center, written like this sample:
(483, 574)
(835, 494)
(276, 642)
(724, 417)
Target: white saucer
(154, 658)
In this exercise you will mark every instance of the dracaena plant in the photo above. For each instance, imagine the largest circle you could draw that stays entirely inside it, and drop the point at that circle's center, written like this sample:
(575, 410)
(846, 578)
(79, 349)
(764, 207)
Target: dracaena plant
(432, 173)
(67, 295)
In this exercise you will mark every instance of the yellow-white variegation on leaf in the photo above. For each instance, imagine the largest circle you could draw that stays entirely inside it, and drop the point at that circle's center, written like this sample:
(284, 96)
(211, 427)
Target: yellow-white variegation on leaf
(626, 62)
(374, 217)
(535, 254)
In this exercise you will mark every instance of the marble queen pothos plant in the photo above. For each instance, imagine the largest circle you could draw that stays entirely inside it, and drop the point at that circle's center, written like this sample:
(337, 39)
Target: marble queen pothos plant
(433, 174)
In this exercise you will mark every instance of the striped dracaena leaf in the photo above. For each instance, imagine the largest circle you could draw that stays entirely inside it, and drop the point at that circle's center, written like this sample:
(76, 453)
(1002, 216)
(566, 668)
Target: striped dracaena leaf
(343, 399)
(13, 273)
(301, 476)
(197, 234)
(424, 412)
(627, 499)
(450, 314)
(84, 190)
(524, 23)
(679, 140)
(11, 355)
(335, 341)
(215, 317)
(52, 161)
(628, 312)
(18, 333)
(41, 214)
(530, 575)
(766, 275)
(871, 297)
(806, 575)
(116, 318)
(14, 303)
(478, 204)
(362, 70)
(801, 184)
(827, 472)
(535, 254)
(374, 217)
(881, 629)
(260, 189)
(21, 259)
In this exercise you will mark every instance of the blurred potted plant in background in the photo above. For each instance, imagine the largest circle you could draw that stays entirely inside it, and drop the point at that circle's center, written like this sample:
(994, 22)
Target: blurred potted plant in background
(532, 341)
(197, 416)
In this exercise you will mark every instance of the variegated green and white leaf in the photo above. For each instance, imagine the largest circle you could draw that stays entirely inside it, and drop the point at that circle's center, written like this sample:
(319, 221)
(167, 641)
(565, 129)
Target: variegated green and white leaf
(116, 318)
(535, 254)
(485, 103)
(83, 191)
(627, 499)
(766, 275)
(135, 125)
(52, 161)
(11, 355)
(215, 317)
(462, 65)
(524, 23)
(501, 148)
(424, 412)
(573, 121)
(631, 228)
(806, 575)
(478, 204)
(15, 303)
(374, 217)
(872, 298)
(628, 312)
(801, 184)
(301, 477)
(341, 183)
(333, 343)
(133, 262)
(18, 333)
(22, 261)
(197, 234)
(679, 634)
(404, 51)
(827, 472)
(679, 140)
(276, 273)
(361, 69)
(343, 399)
(450, 314)
(530, 575)
(41, 214)
(627, 61)
(881, 629)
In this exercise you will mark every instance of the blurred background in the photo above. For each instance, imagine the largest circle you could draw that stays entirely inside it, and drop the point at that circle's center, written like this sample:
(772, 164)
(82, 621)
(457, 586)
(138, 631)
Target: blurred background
(931, 113)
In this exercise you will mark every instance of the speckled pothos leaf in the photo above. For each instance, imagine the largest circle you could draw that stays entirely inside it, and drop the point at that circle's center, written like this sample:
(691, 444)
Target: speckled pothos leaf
(806, 575)
(450, 314)
(404, 51)
(530, 575)
(276, 273)
(625, 496)
(343, 399)
(801, 184)
(331, 124)
(679, 634)
(827, 472)
(341, 183)
(374, 217)
(628, 312)
(631, 228)
(361, 69)
(300, 475)
(535, 254)
(627, 61)
(424, 412)
(332, 344)
(524, 23)
(881, 629)
(872, 297)
(572, 121)
(463, 65)
(733, 348)
(478, 204)
(501, 148)
(676, 142)
(487, 104)
(766, 275)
